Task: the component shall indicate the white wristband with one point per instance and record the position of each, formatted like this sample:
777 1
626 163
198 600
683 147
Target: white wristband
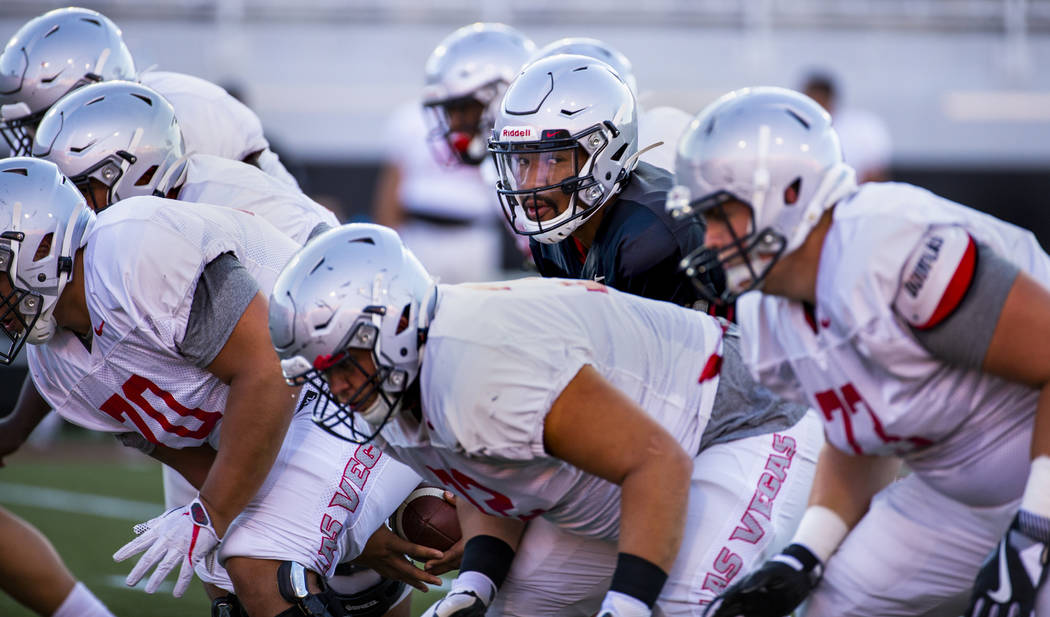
1037 491
821 531
623 605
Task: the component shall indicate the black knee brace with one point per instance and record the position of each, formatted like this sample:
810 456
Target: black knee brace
291 582
374 601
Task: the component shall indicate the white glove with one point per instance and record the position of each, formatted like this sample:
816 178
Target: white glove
618 604
470 596
179 536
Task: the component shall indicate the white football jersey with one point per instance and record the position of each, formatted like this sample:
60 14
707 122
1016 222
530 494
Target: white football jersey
224 182
499 355
211 120
141 266
892 248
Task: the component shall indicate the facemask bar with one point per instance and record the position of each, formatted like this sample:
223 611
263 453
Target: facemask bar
451 146
755 252
578 182
18 133
338 418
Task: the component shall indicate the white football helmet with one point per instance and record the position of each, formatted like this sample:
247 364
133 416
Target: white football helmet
564 143
465 77
44 220
120 133
593 48
352 287
49 56
773 149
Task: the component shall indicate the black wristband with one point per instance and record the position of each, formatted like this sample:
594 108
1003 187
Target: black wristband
488 555
808 560
638 578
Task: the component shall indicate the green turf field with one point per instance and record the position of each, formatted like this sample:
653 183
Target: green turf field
54 495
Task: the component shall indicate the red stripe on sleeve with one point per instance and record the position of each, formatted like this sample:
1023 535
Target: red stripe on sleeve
711 368
957 288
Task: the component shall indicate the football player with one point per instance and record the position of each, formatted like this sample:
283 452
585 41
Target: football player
918 327
662 124
436 187
119 139
566 150
495 390
145 320
64 49
34 575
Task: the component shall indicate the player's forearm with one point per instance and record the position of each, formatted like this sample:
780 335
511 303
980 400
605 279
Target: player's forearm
257 416
1036 498
845 483
654 498
1041 431
29 410
192 463
473 522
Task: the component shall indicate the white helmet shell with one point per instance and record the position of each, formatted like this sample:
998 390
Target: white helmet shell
50 56
43 221
563 103
593 48
352 287
773 149
474 63
120 133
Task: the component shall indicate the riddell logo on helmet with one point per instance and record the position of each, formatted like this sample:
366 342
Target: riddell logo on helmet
518 133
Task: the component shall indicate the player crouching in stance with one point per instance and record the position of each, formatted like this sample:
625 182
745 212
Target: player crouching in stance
146 319
555 400
919 327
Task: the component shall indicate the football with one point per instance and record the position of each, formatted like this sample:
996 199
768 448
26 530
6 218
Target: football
426 518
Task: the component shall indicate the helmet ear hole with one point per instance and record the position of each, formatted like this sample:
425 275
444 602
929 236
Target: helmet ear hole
146 177
792 192
44 248
402 322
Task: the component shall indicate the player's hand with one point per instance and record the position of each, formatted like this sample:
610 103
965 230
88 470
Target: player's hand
179 536
451 558
470 596
385 553
774 590
1009 580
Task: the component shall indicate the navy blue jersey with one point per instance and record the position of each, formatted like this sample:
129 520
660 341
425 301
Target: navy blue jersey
638 246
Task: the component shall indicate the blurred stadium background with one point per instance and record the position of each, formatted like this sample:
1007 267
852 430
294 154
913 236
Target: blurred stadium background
962 85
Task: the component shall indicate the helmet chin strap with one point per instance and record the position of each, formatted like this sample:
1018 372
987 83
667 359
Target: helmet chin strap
379 410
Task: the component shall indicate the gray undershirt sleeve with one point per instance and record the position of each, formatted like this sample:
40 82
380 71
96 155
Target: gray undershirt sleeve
318 230
963 337
744 408
223 292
